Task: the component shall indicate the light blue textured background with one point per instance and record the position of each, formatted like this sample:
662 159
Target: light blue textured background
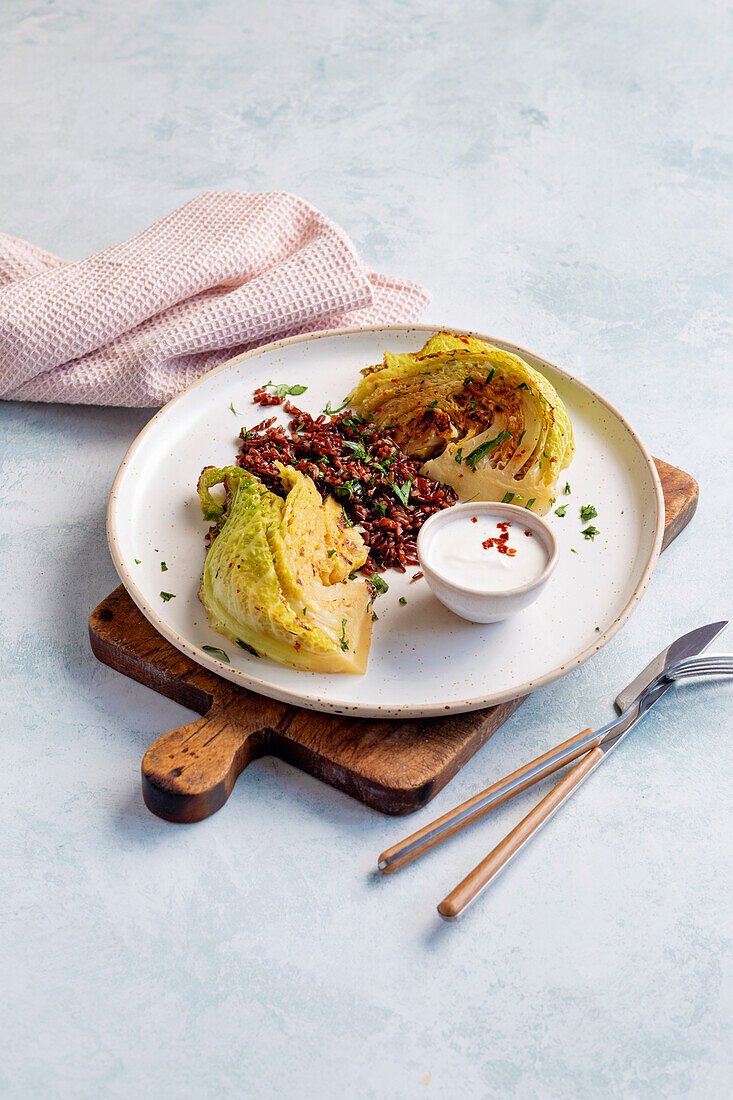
557 174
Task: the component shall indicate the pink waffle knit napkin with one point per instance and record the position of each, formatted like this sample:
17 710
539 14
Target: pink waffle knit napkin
139 322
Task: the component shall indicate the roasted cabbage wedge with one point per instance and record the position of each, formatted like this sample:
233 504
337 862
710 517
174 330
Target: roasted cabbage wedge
482 419
275 578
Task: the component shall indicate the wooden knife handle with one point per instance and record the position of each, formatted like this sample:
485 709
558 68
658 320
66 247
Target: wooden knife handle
427 838
189 773
477 880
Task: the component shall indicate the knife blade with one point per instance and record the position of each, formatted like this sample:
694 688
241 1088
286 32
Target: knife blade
689 645
649 686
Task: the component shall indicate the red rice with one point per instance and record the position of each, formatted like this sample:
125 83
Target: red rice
358 464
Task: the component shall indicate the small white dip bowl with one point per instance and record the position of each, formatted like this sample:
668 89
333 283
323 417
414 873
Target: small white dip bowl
484 605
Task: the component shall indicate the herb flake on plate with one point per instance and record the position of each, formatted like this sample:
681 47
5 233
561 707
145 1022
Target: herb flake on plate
283 390
214 651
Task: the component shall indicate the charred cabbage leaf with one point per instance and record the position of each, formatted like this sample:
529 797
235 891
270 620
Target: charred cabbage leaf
275 578
483 420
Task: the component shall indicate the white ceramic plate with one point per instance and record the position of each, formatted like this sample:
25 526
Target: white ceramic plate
424 660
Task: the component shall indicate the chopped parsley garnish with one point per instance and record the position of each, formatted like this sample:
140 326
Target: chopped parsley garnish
573 551
214 651
231 406
590 532
244 645
163 567
349 489
332 412
490 375
598 630
507 498
137 561
358 450
343 641
165 596
485 448
567 487
379 585
587 512
402 492
283 390
530 502
330 553
385 464
561 510
403 600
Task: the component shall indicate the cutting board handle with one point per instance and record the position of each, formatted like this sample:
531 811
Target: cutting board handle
189 773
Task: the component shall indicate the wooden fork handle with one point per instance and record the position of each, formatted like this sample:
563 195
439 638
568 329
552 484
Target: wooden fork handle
477 880
422 841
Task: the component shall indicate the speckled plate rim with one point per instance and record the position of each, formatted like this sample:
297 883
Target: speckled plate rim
309 700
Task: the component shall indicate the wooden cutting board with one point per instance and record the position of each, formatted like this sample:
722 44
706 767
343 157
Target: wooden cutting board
395 766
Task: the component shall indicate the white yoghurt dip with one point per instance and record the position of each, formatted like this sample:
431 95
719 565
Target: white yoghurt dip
487 553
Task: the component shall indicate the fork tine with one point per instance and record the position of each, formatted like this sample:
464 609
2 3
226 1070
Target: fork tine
704 670
716 665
